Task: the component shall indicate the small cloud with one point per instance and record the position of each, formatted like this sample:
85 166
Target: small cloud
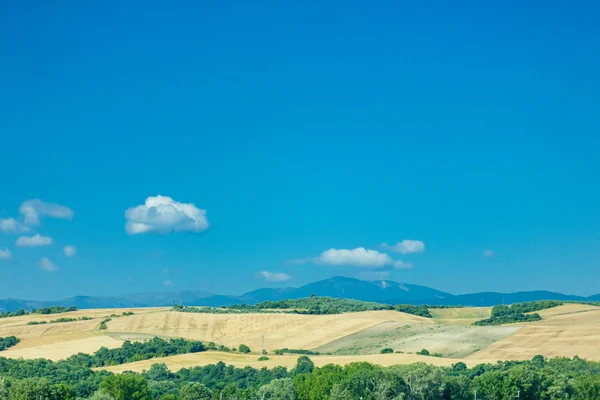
47 265
406 246
34 209
402 265
300 261
275 276
162 214
33 241
11 225
168 283
70 251
489 253
358 257
5 255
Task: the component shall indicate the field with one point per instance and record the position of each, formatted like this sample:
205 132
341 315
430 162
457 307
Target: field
448 340
568 330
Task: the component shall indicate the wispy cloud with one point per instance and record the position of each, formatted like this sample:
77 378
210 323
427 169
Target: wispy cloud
5 255
47 265
70 251
11 225
162 214
33 241
34 209
275 276
168 283
489 253
406 246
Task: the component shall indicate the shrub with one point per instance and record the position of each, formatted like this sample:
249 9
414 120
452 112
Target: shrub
424 352
9 341
243 348
262 358
387 350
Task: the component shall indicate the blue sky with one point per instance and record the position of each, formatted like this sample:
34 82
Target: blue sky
295 129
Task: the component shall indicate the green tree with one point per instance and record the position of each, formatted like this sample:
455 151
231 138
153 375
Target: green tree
98 395
304 365
32 389
243 348
195 391
126 386
4 390
278 389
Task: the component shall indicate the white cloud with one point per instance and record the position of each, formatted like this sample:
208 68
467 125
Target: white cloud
162 214
34 209
47 265
406 246
33 241
275 276
70 251
489 253
11 225
402 265
5 255
168 283
359 257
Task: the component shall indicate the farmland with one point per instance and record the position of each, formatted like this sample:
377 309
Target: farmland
566 330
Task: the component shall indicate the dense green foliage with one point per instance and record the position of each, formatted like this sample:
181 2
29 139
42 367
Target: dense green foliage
242 348
559 378
137 351
420 310
9 341
64 319
532 306
37 322
296 351
44 310
508 315
387 350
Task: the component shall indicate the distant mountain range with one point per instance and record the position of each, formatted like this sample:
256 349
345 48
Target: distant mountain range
388 292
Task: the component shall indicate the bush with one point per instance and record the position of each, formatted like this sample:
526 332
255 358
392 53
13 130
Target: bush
102 326
423 352
421 310
262 358
296 351
508 315
243 348
387 350
9 341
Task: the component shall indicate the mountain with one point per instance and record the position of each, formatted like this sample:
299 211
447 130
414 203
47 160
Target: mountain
381 291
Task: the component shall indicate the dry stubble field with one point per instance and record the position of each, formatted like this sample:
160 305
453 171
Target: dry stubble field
567 330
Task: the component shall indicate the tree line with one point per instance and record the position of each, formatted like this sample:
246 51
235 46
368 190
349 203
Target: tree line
44 310
518 312
539 378
314 305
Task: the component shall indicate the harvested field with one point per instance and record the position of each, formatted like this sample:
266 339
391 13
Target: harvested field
279 330
460 316
31 331
61 350
93 313
450 341
566 331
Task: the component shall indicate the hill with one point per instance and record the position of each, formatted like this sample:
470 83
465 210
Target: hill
387 292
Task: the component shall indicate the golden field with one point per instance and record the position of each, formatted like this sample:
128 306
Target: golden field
567 330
